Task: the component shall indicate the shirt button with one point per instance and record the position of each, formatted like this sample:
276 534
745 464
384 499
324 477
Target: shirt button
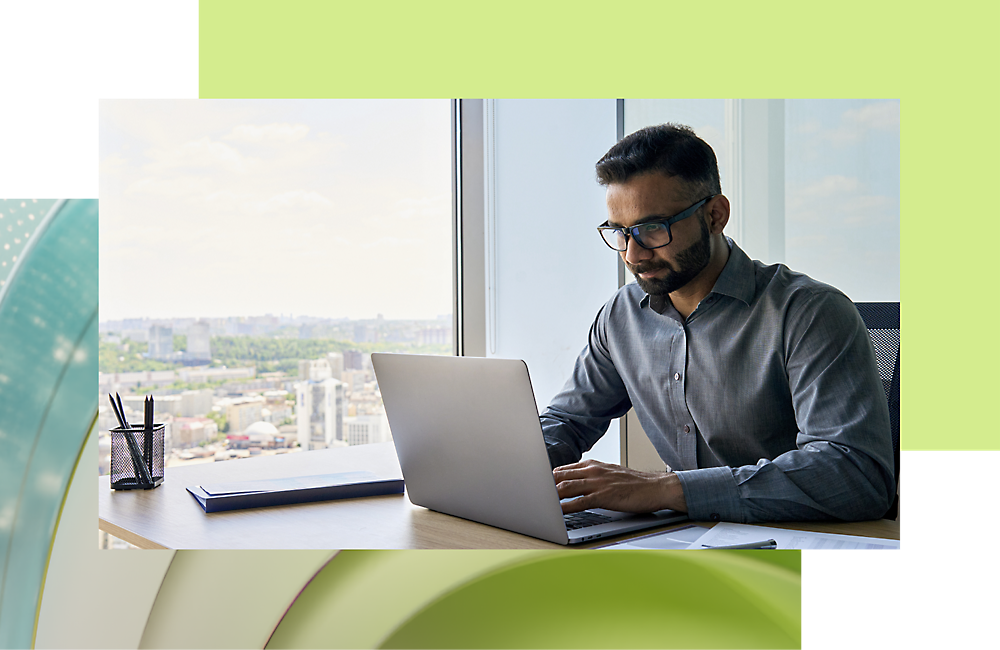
677 376
687 429
714 516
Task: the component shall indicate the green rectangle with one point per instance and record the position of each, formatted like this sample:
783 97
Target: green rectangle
941 65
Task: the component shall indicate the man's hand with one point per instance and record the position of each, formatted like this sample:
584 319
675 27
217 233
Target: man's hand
601 485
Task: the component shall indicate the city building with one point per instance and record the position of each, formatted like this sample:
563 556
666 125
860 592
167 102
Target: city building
199 349
190 432
353 360
366 429
434 336
314 369
336 362
241 412
194 403
161 342
320 413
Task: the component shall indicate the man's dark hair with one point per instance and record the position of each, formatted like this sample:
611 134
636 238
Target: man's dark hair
672 149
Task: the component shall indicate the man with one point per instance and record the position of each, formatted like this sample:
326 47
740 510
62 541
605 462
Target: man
757 385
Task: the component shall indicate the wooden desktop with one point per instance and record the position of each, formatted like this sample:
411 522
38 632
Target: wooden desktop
169 517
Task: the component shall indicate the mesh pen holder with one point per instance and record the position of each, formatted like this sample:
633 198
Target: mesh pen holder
124 473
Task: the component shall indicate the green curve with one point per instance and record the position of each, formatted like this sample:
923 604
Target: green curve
720 599
623 599
48 373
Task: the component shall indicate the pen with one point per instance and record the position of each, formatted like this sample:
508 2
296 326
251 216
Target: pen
142 476
114 407
769 544
121 409
147 434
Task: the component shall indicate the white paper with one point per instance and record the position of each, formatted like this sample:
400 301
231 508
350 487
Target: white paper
679 538
728 534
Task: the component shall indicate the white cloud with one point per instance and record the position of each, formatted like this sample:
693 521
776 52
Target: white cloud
827 187
424 207
268 133
878 115
843 199
203 153
295 199
173 187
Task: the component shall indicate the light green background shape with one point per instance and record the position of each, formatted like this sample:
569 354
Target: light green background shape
938 64
541 599
48 401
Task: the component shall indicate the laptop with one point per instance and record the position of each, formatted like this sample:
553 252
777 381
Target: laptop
470 444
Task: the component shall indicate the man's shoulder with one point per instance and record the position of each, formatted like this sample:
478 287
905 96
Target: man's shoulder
797 293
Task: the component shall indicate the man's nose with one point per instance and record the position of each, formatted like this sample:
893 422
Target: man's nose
634 253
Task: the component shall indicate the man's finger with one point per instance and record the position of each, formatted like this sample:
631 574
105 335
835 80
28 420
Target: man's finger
580 470
572 488
576 505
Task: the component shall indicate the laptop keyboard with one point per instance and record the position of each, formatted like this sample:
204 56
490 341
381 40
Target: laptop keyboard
584 519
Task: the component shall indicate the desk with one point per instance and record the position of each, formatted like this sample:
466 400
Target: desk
169 517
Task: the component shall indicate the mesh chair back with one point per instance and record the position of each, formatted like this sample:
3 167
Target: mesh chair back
882 321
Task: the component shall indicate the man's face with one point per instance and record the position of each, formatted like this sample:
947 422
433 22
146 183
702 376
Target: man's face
654 196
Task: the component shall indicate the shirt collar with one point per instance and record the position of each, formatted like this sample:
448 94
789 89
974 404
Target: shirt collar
738 277
736 280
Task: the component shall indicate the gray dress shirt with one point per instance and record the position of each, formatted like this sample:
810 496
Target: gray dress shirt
766 401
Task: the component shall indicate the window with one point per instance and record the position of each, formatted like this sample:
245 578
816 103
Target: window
253 254
814 183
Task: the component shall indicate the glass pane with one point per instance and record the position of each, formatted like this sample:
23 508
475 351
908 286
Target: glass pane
255 252
842 194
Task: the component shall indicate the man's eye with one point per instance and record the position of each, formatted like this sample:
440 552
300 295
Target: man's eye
652 227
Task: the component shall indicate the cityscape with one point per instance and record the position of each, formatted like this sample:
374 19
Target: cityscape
239 387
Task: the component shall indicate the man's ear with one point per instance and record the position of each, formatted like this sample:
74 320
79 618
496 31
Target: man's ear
718 214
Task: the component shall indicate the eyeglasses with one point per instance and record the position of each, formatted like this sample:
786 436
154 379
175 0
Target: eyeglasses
651 234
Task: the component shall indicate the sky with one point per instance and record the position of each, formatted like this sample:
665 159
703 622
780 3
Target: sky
329 208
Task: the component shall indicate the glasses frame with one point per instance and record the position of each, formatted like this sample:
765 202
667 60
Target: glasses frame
632 231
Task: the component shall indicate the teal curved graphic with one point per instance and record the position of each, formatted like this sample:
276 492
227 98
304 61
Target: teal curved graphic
48 398
541 599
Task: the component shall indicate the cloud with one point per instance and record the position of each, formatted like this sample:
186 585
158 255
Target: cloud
201 154
856 124
295 199
424 207
841 199
268 133
879 115
827 187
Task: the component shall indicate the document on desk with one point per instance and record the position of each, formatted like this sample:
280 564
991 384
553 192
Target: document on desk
293 489
729 534
672 539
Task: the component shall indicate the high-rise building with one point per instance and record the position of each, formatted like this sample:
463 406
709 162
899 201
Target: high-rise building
320 413
198 342
366 429
353 360
161 342
336 361
315 370
242 412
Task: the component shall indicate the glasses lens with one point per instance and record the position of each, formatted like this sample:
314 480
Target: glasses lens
652 235
614 238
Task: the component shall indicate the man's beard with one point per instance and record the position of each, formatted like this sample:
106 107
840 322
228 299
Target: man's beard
690 262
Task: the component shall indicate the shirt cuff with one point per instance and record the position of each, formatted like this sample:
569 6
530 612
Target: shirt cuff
711 494
559 452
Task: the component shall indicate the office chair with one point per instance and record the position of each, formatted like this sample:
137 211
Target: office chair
882 321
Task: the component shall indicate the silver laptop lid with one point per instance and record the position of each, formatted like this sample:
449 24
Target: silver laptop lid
469 442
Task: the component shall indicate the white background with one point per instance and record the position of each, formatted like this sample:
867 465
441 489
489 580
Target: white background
58 59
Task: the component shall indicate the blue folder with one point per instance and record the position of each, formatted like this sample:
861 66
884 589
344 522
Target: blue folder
295 489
